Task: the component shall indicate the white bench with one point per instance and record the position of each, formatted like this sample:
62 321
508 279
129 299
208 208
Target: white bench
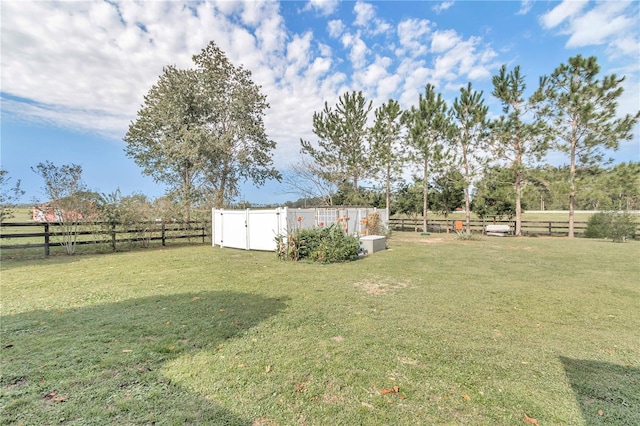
497 230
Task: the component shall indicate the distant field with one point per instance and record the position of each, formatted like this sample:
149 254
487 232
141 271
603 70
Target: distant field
433 331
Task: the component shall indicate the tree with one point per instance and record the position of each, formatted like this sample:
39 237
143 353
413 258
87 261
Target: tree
470 139
429 128
341 150
8 196
517 142
623 186
409 201
493 195
69 200
582 112
388 155
307 179
447 193
129 214
200 131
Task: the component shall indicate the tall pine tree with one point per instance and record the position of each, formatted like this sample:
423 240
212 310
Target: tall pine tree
470 140
429 129
518 142
342 140
582 113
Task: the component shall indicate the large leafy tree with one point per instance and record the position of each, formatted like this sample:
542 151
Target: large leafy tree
582 113
341 150
200 131
518 142
470 140
429 129
387 152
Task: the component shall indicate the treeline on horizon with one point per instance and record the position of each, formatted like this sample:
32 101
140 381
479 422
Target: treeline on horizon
612 188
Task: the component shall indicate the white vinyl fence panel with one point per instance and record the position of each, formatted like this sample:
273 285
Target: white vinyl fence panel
257 229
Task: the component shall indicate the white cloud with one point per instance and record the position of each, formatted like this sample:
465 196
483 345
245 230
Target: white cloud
444 40
366 19
600 24
335 28
359 50
372 74
413 37
364 13
565 10
464 59
440 7
525 7
610 23
324 7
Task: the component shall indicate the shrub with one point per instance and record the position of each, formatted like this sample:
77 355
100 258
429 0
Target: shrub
326 245
614 225
597 225
622 227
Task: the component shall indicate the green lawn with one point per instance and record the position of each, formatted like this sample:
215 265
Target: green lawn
432 331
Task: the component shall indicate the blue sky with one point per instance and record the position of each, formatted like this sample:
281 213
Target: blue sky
74 73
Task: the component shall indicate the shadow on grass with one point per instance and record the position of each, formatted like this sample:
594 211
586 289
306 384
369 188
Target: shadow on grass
103 364
608 394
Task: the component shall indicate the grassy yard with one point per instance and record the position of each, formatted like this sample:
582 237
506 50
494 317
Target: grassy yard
432 331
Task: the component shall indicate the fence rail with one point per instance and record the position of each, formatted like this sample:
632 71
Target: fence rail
529 227
49 234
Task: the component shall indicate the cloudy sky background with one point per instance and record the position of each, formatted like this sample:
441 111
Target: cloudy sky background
74 73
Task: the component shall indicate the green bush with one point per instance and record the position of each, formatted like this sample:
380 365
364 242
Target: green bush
617 226
622 227
597 225
326 245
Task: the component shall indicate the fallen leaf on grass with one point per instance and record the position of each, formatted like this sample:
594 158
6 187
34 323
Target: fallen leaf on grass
466 397
53 397
531 420
267 369
196 298
395 389
600 412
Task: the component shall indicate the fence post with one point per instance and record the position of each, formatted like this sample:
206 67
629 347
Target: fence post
46 238
550 229
203 225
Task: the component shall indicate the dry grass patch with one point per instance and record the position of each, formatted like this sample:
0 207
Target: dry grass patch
380 286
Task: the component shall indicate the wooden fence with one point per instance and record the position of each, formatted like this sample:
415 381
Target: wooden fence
529 227
50 234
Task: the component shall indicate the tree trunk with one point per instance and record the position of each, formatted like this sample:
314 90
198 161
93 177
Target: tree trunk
388 193
572 184
518 231
425 195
